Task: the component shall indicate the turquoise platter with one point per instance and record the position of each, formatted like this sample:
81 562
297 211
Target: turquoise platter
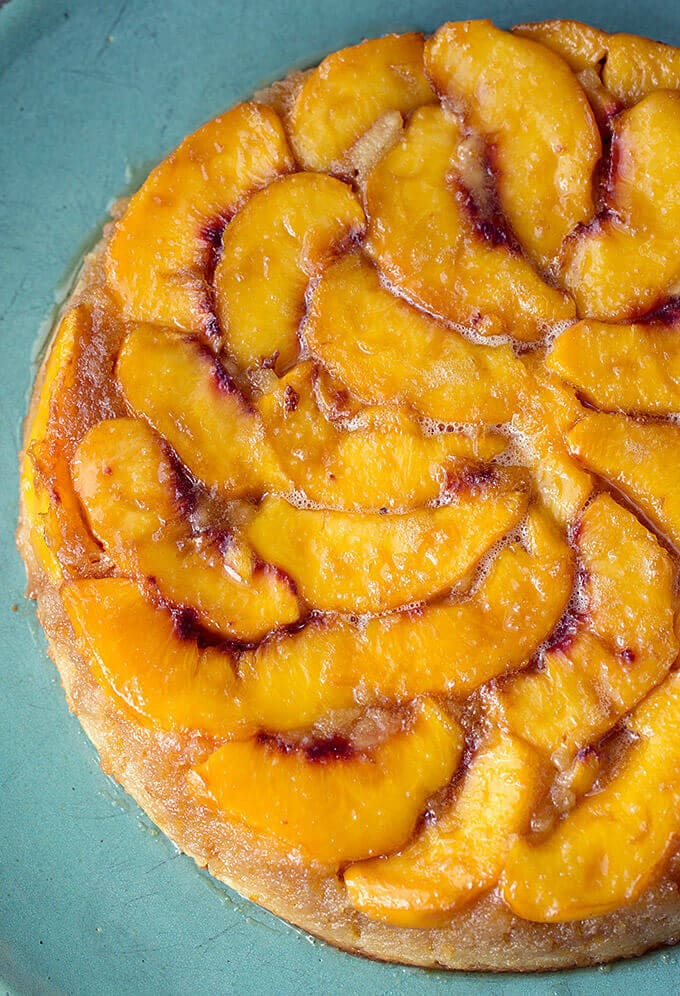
93 900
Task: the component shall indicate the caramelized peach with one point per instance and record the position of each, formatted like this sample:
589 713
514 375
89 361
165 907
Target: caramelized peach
336 809
638 457
584 49
350 90
451 647
423 237
386 351
271 249
636 66
580 45
547 411
58 532
634 368
187 395
159 258
623 645
613 843
627 260
129 488
383 461
138 653
460 855
526 102
354 562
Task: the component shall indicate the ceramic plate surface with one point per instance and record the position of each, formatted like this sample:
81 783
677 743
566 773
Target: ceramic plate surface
92 94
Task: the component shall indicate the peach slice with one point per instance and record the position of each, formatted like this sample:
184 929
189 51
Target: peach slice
137 651
584 49
580 45
383 461
614 841
604 104
183 390
452 861
625 262
634 368
422 235
624 643
636 66
336 809
525 101
133 497
274 245
386 351
547 411
447 648
58 532
640 458
160 256
350 90
355 562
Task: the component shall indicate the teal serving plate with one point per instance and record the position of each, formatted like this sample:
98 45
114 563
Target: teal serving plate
93 899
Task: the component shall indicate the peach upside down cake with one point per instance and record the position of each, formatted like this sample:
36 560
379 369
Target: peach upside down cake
351 496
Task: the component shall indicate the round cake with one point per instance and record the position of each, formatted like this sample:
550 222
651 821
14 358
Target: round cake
350 497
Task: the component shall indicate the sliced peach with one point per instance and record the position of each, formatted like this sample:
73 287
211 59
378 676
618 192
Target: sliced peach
137 652
58 532
350 90
547 411
636 66
386 351
447 648
383 461
271 249
159 258
525 101
614 841
584 49
634 368
336 809
580 45
423 237
623 646
604 104
186 394
638 457
452 861
132 496
35 496
626 261
354 562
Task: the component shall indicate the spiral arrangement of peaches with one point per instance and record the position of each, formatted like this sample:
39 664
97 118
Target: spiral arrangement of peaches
389 431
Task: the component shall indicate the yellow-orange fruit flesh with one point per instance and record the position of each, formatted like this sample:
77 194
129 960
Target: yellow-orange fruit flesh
614 842
622 645
337 809
525 101
158 259
422 235
633 368
276 243
640 458
139 655
345 561
462 854
350 90
387 352
128 486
